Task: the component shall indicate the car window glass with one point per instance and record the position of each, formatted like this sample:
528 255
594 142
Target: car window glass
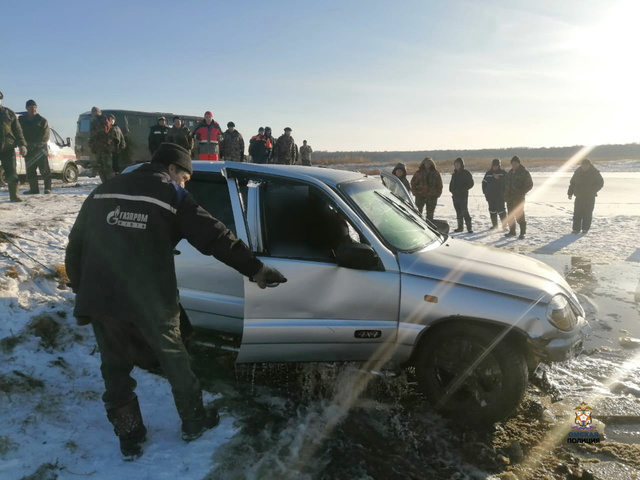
55 138
300 222
212 193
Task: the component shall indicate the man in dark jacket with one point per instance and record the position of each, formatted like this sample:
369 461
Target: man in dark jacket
232 145
258 148
493 189
36 133
517 183
180 135
459 186
157 134
400 171
10 137
120 264
585 185
426 185
118 146
101 144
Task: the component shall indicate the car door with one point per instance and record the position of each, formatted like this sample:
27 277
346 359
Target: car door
396 187
324 312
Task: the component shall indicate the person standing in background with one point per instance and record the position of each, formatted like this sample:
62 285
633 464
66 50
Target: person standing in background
101 144
585 184
305 153
284 152
459 186
157 134
232 145
180 134
118 144
11 136
493 189
400 171
258 148
426 185
517 183
270 143
208 135
36 133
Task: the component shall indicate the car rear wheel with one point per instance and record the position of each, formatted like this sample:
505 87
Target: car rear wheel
468 378
70 173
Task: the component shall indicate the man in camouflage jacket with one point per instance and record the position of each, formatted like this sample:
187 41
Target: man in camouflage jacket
284 151
180 134
10 137
232 145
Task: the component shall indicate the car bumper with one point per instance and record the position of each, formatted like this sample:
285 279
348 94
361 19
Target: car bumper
560 349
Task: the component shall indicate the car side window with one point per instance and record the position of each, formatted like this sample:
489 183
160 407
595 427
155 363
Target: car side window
212 193
299 221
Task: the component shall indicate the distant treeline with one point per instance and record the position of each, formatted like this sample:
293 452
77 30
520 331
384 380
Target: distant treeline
627 151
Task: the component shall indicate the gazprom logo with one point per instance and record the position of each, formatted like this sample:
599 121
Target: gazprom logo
127 219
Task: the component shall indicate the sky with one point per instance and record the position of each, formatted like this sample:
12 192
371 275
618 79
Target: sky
362 75
52 413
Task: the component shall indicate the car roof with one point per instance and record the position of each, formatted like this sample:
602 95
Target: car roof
329 176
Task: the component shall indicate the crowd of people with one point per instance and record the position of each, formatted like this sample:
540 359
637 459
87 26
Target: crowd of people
208 142
504 191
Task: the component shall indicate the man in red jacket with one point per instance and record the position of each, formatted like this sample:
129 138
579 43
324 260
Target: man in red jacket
208 134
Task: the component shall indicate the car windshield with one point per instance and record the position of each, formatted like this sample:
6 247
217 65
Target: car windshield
398 224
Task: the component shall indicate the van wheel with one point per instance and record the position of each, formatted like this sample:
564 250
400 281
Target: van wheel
70 173
467 378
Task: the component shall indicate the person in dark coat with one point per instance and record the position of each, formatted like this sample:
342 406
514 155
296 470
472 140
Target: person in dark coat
181 135
459 186
118 145
400 171
585 184
120 264
493 189
10 137
426 186
157 134
517 183
36 132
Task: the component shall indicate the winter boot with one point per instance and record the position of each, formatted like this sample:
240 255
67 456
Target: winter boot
47 185
196 419
128 426
33 186
494 221
503 219
459 229
13 193
468 222
523 230
512 231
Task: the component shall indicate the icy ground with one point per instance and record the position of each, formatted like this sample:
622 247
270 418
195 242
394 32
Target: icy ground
52 420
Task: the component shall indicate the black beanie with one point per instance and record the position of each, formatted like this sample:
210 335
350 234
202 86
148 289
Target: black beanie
169 153
515 159
496 161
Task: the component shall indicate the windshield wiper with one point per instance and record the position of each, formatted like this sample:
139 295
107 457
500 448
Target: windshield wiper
399 207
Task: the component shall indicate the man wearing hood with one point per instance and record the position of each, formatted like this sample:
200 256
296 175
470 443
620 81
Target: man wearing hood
493 189
400 171
459 186
585 184
426 185
517 183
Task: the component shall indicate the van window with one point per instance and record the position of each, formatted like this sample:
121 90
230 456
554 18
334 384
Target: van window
84 125
212 193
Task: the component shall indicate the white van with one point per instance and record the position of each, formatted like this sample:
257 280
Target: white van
62 160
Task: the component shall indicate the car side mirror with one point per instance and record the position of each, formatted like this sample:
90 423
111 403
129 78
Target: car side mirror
357 256
68 144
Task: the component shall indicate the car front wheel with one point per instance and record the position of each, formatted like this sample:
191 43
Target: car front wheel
465 375
70 173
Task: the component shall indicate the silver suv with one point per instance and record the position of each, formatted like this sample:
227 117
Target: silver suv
370 281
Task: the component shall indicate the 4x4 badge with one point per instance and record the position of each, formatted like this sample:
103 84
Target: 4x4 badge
368 333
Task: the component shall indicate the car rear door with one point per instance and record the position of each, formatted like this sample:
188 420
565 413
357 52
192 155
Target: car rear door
324 312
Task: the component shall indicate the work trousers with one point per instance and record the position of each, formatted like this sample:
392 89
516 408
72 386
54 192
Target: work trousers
38 159
123 340
8 161
583 213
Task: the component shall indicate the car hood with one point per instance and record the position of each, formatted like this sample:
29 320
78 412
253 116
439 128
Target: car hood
486 268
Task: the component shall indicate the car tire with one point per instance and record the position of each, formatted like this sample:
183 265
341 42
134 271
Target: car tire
70 173
492 389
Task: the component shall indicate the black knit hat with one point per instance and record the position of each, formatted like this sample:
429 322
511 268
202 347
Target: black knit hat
169 153
515 159
231 124
30 102
496 161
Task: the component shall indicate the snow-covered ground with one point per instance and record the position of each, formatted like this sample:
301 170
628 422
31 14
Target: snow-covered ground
52 420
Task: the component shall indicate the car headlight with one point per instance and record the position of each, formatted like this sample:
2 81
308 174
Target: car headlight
560 313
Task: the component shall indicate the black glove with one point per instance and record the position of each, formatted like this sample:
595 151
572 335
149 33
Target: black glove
267 276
